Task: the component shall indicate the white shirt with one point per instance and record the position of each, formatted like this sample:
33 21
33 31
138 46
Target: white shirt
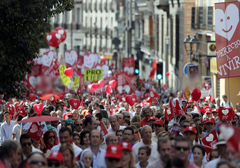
154 153
138 165
76 149
213 163
110 130
226 104
6 131
99 160
154 137
16 131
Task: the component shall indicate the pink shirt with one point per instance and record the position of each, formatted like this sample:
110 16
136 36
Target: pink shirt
192 165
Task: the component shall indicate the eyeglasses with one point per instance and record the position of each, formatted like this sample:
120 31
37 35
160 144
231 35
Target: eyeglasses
181 147
27 144
51 137
55 164
158 125
37 162
79 124
185 126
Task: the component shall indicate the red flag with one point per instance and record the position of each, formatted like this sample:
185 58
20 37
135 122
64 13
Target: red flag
81 105
177 110
35 131
231 134
154 67
168 114
104 130
209 141
164 87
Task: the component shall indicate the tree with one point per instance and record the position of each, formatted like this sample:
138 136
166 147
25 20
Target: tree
23 24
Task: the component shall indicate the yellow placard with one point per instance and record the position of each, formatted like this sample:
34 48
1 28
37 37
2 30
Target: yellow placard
187 93
76 80
108 56
65 79
93 74
213 66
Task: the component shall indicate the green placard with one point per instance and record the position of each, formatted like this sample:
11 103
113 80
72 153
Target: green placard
93 74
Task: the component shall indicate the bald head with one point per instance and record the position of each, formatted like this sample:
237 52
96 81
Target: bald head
111 139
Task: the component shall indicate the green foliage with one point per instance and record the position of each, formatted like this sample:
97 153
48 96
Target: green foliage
23 27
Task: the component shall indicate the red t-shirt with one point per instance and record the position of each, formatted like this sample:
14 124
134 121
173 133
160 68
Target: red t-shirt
143 122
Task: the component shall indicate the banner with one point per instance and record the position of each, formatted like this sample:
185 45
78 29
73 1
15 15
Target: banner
129 65
71 59
66 80
90 60
104 68
49 64
122 84
209 141
225 113
93 75
227 39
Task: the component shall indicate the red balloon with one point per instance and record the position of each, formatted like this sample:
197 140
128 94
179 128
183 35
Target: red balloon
101 83
113 83
68 72
40 94
32 96
95 86
53 39
75 103
108 89
62 32
38 107
196 94
90 88
131 99
168 74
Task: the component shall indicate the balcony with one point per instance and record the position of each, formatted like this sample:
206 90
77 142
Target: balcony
105 6
203 27
145 6
147 44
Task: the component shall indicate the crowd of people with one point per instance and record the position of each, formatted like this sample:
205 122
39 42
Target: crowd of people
106 132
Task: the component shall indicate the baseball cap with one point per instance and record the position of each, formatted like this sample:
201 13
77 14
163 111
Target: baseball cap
208 110
114 151
215 110
87 114
159 121
190 100
191 129
152 118
221 140
56 156
126 146
210 120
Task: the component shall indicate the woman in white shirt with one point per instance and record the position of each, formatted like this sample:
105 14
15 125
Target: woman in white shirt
144 153
198 155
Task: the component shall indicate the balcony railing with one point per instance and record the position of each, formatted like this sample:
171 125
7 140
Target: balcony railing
105 6
203 27
90 7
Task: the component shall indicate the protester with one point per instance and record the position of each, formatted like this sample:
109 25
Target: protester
78 126
56 159
159 127
7 127
86 159
143 156
84 139
68 153
198 155
119 134
127 160
114 124
49 139
36 160
113 156
76 139
16 130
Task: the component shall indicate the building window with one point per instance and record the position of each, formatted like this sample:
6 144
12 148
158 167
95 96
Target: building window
209 18
200 17
177 41
78 18
171 38
193 18
162 33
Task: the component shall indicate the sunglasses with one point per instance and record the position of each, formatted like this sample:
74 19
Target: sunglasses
37 162
158 125
55 164
79 124
181 147
27 144
185 126
70 116
127 116
51 137
209 123
113 159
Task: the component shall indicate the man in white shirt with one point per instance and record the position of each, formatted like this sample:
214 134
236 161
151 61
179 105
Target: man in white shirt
97 153
146 140
226 103
6 128
114 124
65 136
27 147
179 98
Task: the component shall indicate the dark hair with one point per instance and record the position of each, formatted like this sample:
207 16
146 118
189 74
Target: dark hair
88 119
46 135
82 135
76 134
119 131
64 129
129 128
70 125
147 148
33 153
223 162
19 118
31 110
162 140
183 121
175 162
201 147
24 136
182 139
96 104
8 148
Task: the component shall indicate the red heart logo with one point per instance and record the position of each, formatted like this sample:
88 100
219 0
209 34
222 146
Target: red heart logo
68 72
101 83
95 86
38 107
113 83
11 109
75 103
108 89
90 88
131 99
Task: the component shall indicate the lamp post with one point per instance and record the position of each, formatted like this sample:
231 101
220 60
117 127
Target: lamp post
191 46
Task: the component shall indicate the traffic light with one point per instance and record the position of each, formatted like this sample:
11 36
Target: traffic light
136 70
159 70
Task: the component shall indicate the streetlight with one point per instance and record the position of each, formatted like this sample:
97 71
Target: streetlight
191 46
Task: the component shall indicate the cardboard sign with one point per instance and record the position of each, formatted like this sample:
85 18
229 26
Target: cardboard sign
71 59
76 81
129 65
93 74
35 131
225 113
209 141
122 83
227 39
65 79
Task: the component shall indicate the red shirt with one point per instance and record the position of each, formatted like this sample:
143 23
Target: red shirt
143 122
